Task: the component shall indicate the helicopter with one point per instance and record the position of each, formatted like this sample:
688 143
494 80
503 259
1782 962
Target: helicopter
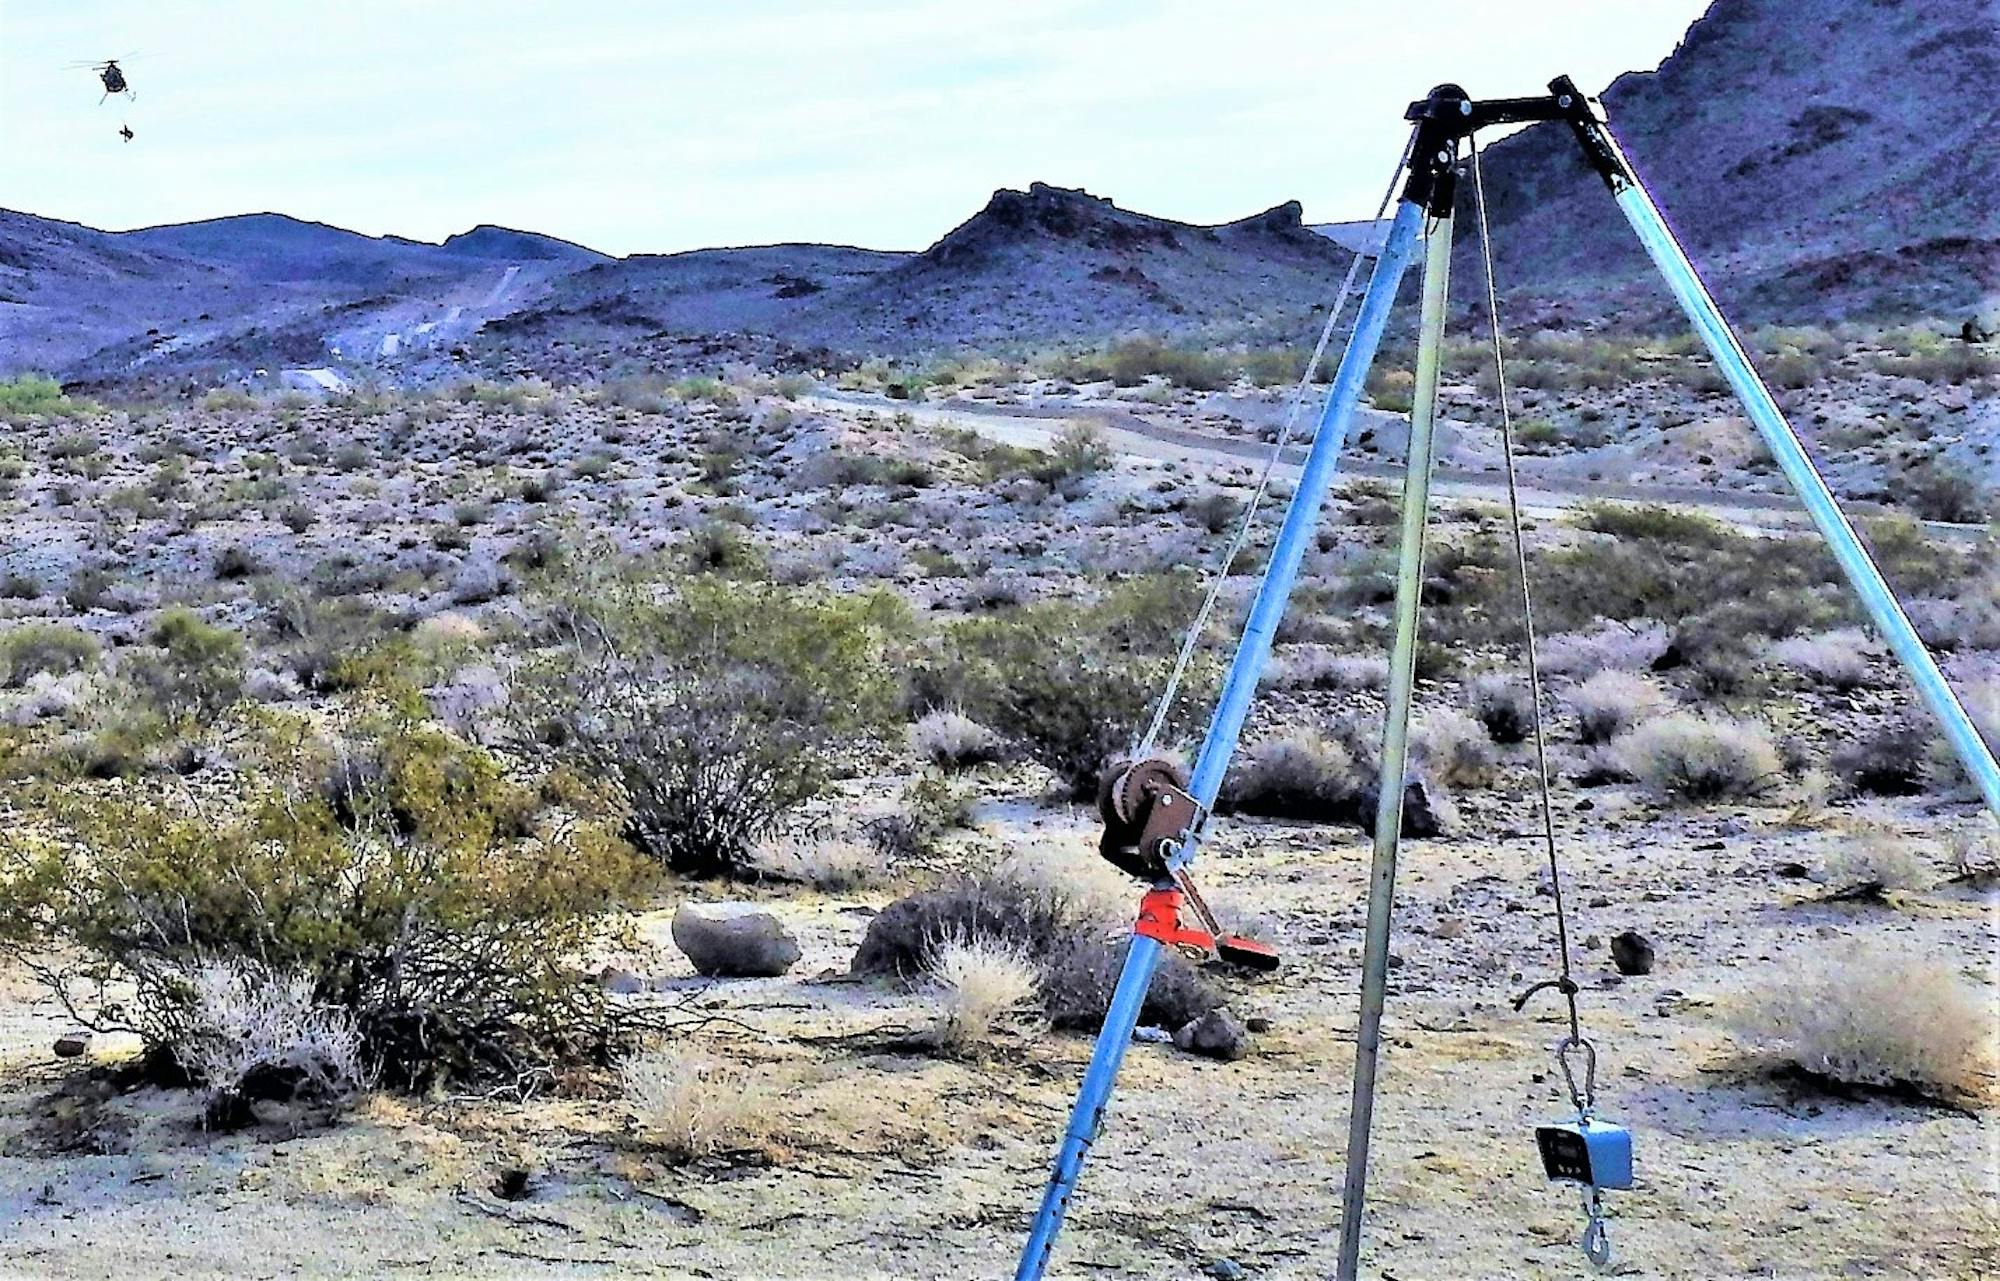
111 75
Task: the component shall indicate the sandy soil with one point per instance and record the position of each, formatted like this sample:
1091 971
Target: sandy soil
900 1165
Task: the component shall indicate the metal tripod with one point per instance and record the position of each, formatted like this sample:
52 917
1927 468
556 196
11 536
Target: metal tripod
1442 123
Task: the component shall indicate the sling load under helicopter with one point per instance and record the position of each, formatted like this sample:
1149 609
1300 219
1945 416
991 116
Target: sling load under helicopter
112 77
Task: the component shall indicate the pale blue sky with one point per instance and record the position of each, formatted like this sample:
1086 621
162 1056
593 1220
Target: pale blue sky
676 124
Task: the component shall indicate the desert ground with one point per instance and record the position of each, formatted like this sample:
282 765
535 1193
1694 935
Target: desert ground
212 603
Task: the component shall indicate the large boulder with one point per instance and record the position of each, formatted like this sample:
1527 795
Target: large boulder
734 940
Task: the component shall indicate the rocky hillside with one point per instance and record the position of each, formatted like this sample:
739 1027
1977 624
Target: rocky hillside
1821 159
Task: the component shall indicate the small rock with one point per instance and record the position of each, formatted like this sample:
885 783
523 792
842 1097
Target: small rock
620 982
1223 1270
734 940
1632 953
73 1046
1449 927
1216 1034
1599 900
1592 942
514 1184
1257 1023
1792 871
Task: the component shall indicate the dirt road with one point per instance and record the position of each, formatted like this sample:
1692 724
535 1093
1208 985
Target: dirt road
1131 434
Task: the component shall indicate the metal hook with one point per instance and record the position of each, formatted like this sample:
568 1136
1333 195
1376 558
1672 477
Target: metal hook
1596 1240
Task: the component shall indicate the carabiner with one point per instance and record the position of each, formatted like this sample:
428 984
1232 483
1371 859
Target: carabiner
1586 1098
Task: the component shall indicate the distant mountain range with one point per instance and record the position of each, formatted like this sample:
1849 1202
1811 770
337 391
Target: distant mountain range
1823 159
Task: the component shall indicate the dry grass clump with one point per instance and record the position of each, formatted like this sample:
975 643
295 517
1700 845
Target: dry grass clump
1700 758
1871 862
245 1022
951 740
1319 667
691 1106
1611 646
1610 702
1880 1021
832 863
1838 659
974 985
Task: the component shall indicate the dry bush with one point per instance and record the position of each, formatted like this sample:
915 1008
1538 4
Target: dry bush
692 1106
1838 660
1881 1021
1074 925
1870 862
1700 758
1887 760
714 707
834 863
975 984
1611 646
949 739
405 879
1456 748
1505 706
1300 775
1319 667
1069 679
1609 702
249 1029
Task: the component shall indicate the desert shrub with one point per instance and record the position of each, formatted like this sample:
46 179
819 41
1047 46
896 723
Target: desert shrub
1301 775
1837 659
1939 490
1611 646
931 808
325 642
1131 362
833 863
1069 924
235 563
27 397
19 586
1870 862
1069 680
1392 390
1700 758
715 706
719 547
1215 510
692 1106
1078 451
951 740
190 668
1887 760
394 876
974 984
37 649
1504 706
1879 1021
248 1031
1611 702
1456 749
1319 667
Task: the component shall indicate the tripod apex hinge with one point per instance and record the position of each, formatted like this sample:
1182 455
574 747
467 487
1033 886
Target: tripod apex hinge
1448 116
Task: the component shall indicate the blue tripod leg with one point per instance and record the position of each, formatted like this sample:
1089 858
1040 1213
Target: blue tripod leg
1245 669
1785 446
